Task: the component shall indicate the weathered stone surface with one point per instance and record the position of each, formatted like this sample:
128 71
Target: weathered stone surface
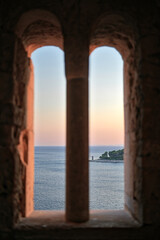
78 27
11 114
7 41
9 135
10 187
7 87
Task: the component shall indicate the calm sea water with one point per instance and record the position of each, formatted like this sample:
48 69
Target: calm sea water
106 179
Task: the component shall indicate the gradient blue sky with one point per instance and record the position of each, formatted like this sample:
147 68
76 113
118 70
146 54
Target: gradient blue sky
106 124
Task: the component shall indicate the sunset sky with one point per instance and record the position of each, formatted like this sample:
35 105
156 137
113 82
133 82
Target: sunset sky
105 97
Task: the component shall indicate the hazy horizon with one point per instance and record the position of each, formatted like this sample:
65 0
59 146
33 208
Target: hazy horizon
112 145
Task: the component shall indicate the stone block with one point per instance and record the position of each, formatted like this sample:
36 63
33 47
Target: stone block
9 135
7 44
6 87
11 115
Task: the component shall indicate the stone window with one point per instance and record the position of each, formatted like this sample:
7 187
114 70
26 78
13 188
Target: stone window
34 33
133 29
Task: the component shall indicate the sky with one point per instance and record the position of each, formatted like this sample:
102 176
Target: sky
106 123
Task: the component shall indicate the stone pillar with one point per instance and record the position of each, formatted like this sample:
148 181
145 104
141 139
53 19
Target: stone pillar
76 59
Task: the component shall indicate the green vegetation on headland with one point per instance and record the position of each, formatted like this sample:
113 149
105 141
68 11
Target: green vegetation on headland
113 155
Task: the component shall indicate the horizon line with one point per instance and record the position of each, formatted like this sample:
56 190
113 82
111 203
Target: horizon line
89 145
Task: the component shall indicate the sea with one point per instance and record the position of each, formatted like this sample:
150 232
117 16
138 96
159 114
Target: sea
106 181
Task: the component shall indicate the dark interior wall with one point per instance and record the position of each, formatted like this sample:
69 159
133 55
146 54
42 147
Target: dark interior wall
78 27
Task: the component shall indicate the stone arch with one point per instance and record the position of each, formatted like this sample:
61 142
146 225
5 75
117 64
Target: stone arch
39 28
119 31
114 30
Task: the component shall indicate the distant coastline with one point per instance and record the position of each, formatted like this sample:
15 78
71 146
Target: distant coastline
106 161
113 155
95 151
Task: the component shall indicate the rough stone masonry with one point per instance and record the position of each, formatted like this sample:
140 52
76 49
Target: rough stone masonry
78 27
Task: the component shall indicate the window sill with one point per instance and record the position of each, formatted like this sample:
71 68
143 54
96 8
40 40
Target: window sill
46 224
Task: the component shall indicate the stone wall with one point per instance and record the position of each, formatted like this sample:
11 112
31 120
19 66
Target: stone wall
78 27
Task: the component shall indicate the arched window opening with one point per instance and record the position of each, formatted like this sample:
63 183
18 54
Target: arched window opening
106 128
49 128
